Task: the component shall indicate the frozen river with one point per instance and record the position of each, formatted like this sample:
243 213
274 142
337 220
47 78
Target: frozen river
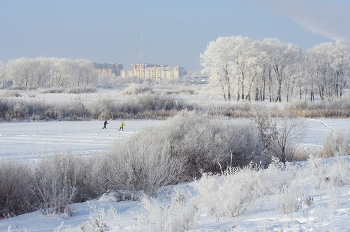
33 140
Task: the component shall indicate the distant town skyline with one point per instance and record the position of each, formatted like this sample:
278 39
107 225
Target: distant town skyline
174 33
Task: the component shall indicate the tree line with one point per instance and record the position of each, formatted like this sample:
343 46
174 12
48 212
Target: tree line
47 72
271 69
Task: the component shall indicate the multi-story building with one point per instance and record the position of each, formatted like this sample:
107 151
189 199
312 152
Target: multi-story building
105 68
155 72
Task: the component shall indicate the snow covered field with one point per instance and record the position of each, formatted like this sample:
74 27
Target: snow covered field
33 140
329 211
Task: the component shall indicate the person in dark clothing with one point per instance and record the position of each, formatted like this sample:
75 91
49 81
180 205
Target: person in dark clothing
105 124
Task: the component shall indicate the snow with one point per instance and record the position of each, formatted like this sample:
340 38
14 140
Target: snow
33 140
330 210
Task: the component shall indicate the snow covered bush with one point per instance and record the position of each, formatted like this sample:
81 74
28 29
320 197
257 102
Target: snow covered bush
280 136
23 109
281 187
135 89
290 198
328 172
177 150
158 106
137 166
234 191
100 220
154 102
331 108
58 181
9 93
14 196
336 143
178 216
230 194
101 108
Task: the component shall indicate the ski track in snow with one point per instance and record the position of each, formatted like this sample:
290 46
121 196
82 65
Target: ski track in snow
323 123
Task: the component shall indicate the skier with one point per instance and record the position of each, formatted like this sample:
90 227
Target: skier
121 126
104 125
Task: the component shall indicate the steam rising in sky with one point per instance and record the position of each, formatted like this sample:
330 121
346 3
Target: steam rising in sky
329 18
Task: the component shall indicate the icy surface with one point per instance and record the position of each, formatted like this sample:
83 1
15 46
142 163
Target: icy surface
33 140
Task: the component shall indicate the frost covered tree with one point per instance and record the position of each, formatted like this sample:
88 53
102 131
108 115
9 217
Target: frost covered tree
20 71
51 72
283 55
217 60
273 69
2 74
41 71
245 57
330 67
228 59
85 74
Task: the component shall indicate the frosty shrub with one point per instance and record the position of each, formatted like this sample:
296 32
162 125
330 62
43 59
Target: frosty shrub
184 91
277 175
53 90
20 108
101 108
129 107
62 110
49 185
336 143
100 220
158 106
181 149
9 93
135 89
14 197
238 109
76 90
230 194
237 189
79 90
280 135
58 181
289 199
178 216
330 108
159 102
137 166
333 172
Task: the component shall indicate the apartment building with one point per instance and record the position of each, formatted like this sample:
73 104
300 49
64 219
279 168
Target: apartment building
154 71
105 68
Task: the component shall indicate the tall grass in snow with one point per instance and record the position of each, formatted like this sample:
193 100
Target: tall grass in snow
232 193
158 106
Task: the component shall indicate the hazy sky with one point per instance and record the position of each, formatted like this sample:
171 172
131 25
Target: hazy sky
175 32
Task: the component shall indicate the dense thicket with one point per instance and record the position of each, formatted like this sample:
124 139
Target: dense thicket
177 150
156 106
271 69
